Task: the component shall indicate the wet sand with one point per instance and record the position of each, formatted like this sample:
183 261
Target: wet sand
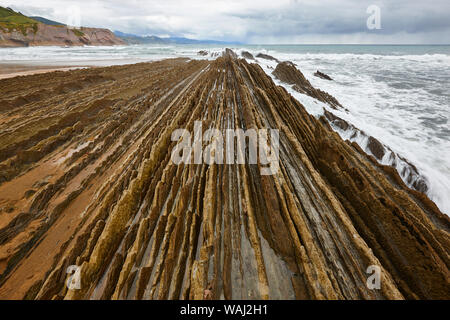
15 70
10 69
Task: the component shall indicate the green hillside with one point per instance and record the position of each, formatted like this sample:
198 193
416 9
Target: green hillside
48 21
11 20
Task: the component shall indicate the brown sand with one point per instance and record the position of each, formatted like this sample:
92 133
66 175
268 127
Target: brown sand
14 70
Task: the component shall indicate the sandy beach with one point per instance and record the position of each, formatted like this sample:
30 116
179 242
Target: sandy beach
9 69
15 70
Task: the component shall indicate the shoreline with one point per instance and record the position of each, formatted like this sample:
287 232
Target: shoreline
108 151
18 70
11 69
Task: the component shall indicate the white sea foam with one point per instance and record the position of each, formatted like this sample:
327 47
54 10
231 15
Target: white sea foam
391 98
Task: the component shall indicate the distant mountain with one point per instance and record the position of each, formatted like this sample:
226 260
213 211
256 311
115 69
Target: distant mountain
135 39
47 21
18 30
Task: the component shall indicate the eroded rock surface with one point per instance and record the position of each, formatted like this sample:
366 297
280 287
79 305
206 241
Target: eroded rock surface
247 55
408 172
86 180
267 57
287 72
46 35
322 75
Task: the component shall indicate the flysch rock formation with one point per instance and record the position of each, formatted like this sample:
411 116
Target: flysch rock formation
408 172
247 55
288 73
322 75
267 57
87 180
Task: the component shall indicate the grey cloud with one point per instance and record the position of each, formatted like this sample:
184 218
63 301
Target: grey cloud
251 21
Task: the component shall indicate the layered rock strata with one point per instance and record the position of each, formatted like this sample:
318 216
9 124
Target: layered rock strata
87 180
288 73
46 35
322 75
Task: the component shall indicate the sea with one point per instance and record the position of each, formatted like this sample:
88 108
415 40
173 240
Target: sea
399 94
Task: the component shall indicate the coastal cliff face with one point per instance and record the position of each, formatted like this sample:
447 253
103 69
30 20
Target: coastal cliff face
46 35
86 180
18 30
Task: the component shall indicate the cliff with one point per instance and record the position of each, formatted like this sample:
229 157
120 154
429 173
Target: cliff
87 180
17 30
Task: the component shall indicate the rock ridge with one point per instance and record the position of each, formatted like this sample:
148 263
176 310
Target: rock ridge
87 180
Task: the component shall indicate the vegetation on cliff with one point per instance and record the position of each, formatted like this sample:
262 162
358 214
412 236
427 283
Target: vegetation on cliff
11 20
17 30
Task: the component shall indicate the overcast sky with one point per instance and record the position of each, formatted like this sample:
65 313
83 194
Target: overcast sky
258 21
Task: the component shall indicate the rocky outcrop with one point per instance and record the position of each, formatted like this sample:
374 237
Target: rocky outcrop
322 75
229 53
90 183
372 146
287 72
267 57
247 55
47 35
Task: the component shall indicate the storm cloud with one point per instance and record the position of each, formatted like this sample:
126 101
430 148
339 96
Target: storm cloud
285 21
